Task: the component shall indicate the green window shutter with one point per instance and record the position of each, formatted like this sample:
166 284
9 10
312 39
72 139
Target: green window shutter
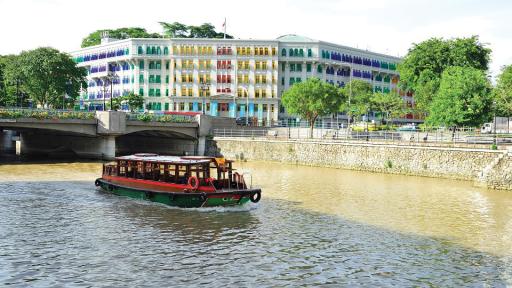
283 52
282 81
158 79
292 67
319 69
141 78
308 67
127 51
151 80
166 50
299 67
158 65
291 52
301 52
141 64
167 106
148 50
141 91
158 92
158 50
151 92
167 79
167 94
140 50
167 65
292 80
283 67
151 65
310 53
133 79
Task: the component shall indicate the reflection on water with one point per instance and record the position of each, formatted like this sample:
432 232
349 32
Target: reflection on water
314 226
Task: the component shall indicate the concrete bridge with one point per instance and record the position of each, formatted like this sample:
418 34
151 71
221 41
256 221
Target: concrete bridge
108 134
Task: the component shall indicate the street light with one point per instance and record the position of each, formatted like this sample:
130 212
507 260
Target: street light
68 85
246 105
204 86
111 76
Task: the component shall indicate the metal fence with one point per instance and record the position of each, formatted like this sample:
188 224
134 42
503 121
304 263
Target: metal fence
469 137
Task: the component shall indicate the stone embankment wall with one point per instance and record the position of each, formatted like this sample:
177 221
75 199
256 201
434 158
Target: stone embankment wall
456 163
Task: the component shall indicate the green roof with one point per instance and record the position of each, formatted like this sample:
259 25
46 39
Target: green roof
295 38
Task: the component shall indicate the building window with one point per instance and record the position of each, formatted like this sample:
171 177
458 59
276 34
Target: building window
308 67
141 78
319 69
283 52
291 53
292 67
141 64
157 92
141 91
310 53
299 67
140 50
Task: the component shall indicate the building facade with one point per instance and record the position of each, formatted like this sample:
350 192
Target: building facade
224 77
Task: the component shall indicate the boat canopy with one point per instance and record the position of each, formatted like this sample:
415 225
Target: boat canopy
154 158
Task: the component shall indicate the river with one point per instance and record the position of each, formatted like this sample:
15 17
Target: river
314 227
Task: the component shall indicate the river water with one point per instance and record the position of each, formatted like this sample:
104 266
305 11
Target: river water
314 227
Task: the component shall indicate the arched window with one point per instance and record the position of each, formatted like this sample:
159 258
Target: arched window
158 50
166 50
310 53
296 52
153 50
301 52
291 52
283 52
140 50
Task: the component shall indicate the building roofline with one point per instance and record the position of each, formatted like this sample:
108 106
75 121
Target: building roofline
318 42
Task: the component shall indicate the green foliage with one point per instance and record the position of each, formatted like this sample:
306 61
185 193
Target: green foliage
179 30
135 101
147 117
388 164
44 74
8 95
44 114
390 104
503 92
122 33
464 98
360 93
422 67
311 99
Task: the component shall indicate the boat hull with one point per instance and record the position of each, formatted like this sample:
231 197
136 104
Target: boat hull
181 199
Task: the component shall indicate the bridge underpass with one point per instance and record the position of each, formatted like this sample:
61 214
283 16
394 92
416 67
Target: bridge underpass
108 136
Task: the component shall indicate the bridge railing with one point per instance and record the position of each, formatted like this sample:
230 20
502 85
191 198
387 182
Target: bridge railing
16 113
150 117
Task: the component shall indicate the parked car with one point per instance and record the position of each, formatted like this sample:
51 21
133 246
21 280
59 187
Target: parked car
243 121
408 127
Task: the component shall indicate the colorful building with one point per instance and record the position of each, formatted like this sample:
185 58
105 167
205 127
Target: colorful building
224 77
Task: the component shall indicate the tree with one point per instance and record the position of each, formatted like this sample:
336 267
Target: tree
134 101
311 99
179 30
175 30
390 104
422 67
122 33
464 98
503 92
47 75
7 88
360 94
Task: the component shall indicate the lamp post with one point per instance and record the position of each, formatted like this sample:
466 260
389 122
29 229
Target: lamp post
68 85
494 122
246 105
111 76
204 86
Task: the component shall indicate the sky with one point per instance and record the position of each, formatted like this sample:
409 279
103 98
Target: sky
385 26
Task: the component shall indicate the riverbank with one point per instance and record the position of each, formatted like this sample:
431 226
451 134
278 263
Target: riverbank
489 168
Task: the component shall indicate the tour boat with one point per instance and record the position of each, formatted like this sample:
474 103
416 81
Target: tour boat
177 181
